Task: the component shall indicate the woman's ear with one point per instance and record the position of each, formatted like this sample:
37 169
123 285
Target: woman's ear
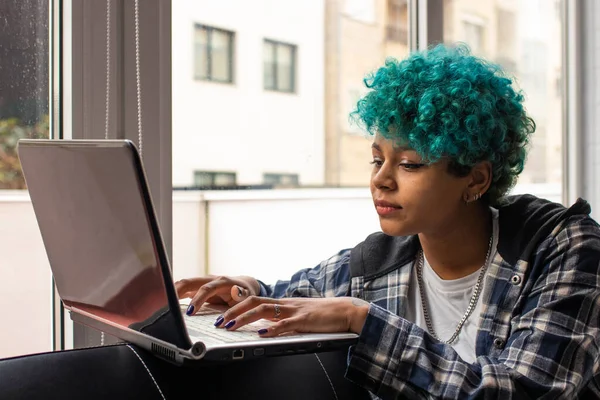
481 179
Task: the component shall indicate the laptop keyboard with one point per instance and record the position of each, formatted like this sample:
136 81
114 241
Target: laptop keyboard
203 324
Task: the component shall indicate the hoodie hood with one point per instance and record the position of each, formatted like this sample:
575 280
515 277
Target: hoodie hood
524 221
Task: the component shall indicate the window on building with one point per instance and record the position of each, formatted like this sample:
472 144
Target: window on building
397 21
213 54
214 178
280 179
473 35
279 66
360 10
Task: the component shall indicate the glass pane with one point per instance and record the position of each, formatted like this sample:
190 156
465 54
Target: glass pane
530 50
285 68
324 68
269 65
224 179
23 82
203 179
317 158
220 56
200 52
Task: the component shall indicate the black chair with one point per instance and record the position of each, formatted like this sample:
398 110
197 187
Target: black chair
127 372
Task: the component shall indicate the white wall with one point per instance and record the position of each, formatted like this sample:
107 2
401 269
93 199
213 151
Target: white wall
241 127
25 279
274 234
266 234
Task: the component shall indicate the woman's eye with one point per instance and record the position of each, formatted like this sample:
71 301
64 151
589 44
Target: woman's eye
376 162
411 166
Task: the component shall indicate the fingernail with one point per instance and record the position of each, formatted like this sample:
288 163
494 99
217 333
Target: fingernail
229 324
219 320
190 310
262 331
240 293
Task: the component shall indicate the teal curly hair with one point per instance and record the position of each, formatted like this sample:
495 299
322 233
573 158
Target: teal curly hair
445 102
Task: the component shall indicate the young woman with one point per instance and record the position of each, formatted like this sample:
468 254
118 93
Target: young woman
466 293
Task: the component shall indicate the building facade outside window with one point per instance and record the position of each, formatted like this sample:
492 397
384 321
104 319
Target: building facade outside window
530 51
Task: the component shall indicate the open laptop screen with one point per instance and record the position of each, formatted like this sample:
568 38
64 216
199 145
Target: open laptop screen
96 221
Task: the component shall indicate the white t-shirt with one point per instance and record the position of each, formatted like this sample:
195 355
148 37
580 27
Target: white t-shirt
447 302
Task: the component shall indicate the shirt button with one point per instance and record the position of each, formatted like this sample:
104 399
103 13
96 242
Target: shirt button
499 343
515 280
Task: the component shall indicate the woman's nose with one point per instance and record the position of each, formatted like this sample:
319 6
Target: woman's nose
383 179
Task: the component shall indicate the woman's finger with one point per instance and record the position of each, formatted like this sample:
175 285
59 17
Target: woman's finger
211 289
266 310
239 293
287 325
246 305
184 286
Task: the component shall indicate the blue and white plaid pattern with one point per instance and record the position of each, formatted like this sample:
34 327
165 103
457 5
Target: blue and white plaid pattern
539 331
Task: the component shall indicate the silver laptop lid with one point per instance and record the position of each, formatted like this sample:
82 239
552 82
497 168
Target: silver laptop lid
101 235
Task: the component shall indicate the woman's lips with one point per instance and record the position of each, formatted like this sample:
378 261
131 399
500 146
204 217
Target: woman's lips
386 208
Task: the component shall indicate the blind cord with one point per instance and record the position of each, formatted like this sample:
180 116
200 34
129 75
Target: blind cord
107 69
137 74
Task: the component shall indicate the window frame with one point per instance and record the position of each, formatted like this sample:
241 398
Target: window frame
294 52
208 56
85 28
79 75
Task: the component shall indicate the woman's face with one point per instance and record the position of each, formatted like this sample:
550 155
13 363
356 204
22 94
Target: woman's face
411 197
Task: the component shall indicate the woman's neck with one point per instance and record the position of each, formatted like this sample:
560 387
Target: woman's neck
461 248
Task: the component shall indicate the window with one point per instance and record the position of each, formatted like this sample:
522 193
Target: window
246 126
211 178
24 113
213 50
24 42
530 49
281 179
360 10
397 21
280 66
473 35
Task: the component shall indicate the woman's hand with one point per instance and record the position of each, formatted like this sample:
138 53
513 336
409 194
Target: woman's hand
216 290
332 314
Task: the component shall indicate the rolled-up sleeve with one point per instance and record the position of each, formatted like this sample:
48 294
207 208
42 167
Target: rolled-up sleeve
331 278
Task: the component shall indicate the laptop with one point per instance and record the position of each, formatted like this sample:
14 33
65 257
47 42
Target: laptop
108 259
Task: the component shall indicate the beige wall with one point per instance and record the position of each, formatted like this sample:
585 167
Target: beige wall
354 48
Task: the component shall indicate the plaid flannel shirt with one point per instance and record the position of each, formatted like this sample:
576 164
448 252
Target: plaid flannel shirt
538 334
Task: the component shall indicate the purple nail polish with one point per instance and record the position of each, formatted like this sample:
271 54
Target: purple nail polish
190 310
229 324
219 320
262 331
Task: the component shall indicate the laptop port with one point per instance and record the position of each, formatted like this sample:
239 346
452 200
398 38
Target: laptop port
237 354
259 351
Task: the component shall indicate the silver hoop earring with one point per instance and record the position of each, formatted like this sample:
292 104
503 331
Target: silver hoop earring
477 197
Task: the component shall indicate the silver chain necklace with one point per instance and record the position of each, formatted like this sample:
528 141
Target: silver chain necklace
472 302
